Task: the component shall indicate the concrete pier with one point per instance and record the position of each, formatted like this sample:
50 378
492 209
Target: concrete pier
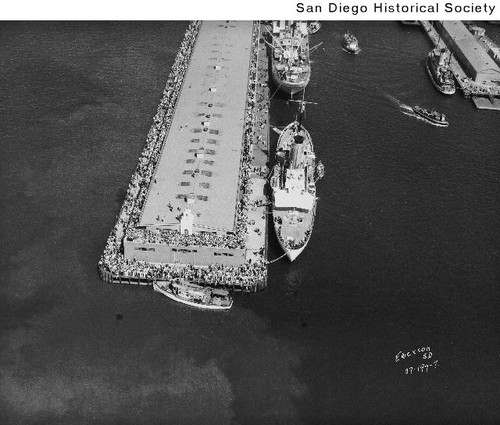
196 207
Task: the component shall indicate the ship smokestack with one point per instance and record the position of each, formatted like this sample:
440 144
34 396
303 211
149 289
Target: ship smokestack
442 57
297 152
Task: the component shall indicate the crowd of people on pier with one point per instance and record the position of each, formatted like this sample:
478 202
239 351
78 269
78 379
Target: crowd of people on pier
113 260
472 88
487 42
244 277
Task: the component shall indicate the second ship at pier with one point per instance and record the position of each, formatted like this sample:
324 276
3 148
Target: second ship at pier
290 64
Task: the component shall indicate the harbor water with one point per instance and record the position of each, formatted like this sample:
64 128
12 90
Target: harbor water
403 260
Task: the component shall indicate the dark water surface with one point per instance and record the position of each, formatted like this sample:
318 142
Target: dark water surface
404 254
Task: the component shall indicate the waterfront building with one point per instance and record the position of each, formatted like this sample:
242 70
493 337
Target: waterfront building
195 189
473 58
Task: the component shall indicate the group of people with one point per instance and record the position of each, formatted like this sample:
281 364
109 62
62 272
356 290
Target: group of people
472 88
247 277
113 260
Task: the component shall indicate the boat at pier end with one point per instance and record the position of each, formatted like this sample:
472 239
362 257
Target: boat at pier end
195 295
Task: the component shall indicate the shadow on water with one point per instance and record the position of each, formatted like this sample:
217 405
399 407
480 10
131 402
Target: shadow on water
121 193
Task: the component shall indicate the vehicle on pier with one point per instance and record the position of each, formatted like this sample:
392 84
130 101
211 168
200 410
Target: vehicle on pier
194 295
438 68
434 117
293 185
350 43
290 64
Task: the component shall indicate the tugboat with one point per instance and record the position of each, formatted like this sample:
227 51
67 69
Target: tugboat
195 295
291 68
313 27
434 117
293 184
438 69
350 43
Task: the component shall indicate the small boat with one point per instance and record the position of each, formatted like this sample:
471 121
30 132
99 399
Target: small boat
436 118
194 295
350 43
313 27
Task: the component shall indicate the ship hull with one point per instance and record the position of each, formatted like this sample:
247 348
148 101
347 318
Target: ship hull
445 89
351 51
288 86
291 254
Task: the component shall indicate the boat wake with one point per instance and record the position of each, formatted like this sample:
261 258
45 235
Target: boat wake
407 109
403 106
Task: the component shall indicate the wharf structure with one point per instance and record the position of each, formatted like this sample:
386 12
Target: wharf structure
195 207
474 64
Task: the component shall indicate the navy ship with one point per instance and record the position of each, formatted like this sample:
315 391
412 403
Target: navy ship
290 64
293 185
438 69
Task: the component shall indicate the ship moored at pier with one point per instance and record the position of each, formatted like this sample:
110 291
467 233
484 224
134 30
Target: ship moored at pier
290 63
294 188
437 66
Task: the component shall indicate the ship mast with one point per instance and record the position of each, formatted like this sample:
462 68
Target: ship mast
439 37
302 109
293 26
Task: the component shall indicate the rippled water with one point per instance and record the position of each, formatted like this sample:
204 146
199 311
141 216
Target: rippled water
404 253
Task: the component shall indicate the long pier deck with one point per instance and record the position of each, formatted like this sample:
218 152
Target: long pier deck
196 206
202 151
